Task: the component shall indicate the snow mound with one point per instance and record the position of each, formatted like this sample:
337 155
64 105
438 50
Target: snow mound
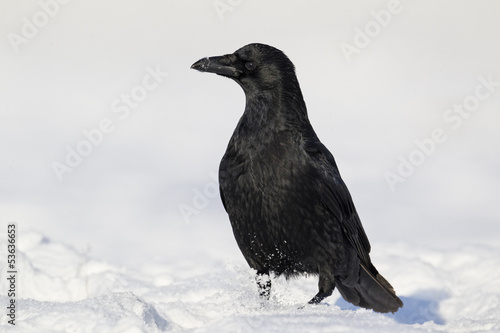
52 271
115 312
61 289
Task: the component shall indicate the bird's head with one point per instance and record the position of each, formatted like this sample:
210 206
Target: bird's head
255 67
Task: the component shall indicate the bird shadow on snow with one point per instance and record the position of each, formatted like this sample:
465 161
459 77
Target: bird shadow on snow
419 308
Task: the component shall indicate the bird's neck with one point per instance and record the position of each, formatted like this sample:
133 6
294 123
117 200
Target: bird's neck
280 108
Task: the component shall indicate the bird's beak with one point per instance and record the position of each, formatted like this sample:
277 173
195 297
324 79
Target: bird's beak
222 65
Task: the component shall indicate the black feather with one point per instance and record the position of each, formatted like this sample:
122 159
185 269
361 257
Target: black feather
290 211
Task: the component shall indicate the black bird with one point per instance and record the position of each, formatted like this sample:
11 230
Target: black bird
290 211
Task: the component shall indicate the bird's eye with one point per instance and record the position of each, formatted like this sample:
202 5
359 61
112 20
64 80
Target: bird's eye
250 65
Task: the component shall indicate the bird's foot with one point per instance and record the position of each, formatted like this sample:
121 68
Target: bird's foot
264 284
319 297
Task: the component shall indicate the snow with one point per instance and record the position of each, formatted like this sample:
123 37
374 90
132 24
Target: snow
64 290
134 237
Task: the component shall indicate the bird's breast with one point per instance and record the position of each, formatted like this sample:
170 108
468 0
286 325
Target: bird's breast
260 175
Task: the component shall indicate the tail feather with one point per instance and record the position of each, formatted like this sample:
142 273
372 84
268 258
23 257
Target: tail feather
372 291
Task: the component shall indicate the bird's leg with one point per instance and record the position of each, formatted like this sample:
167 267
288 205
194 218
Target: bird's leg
264 284
321 295
325 289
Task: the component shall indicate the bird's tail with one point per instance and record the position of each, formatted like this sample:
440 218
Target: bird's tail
372 291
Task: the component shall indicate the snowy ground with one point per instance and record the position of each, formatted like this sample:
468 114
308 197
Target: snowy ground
130 235
65 290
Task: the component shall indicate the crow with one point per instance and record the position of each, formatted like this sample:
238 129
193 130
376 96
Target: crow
290 211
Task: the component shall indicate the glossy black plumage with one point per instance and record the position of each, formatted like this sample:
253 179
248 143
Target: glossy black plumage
290 211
